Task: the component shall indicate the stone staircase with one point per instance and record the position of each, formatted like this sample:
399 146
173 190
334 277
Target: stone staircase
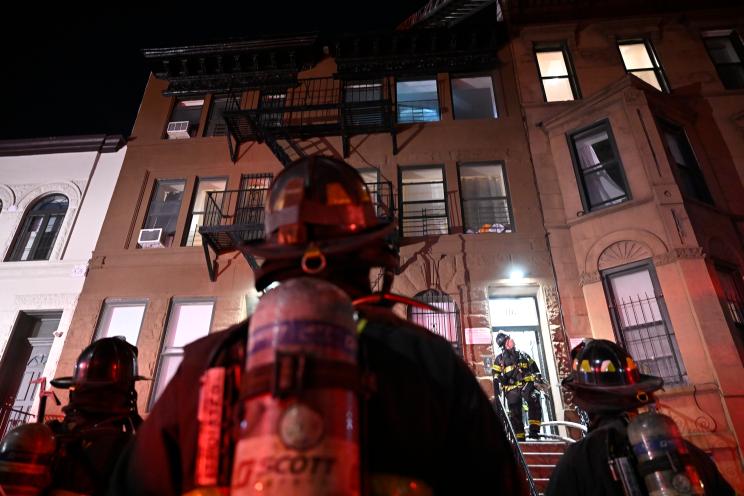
541 458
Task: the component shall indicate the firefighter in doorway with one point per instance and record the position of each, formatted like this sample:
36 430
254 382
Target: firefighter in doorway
517 374
426 426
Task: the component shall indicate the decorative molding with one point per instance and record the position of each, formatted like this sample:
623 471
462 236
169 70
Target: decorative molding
678 254
46 301
7 197
621 253
589 278
652 243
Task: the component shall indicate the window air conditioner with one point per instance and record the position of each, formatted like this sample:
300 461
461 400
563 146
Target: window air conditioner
151 238
178 130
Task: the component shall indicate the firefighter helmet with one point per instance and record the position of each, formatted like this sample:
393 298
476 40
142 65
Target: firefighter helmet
25 459
108 361
319 206
604 377
501 339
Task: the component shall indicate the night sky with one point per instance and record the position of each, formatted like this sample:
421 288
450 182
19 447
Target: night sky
75 70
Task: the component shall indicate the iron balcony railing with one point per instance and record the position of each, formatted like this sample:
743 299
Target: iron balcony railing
486 215
235 217
10 418
426 221
314 107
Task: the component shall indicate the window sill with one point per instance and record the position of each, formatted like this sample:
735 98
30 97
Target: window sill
595 214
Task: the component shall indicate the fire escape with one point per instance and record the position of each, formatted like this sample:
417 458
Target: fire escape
292 120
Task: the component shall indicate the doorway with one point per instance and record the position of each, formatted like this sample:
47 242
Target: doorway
23 363
518 317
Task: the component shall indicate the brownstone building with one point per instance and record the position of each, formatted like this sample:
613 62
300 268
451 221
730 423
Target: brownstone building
545 165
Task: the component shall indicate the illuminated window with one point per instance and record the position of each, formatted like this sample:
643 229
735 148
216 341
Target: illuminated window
164 208
445 323
641 61
423 202
417 101
485 198
121 318
556 72
472 98
39 229
726 50
187 322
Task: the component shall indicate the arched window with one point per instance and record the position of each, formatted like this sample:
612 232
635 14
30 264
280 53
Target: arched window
445 323
35 239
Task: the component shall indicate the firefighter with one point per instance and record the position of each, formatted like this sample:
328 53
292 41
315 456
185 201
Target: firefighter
607 384
426 423
26 455
100 418
517 374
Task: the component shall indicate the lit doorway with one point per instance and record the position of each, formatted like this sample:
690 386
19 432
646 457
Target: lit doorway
518 317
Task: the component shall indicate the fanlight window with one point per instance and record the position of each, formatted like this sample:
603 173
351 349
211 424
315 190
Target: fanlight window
35 239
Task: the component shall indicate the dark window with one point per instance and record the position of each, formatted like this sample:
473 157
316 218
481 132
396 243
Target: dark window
423 202
445 323
731 294
598 168
35 239
417 101
641 61
203 185
641 321
164 208
727 53
186 110
472 97
556 72
215 123
249 213
485 198
684 164
271 108
363 105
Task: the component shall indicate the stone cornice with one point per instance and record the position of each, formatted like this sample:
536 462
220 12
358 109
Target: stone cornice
102 143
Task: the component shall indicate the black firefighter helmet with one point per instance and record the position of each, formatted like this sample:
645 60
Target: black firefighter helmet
604 378
501 339
25 459
319 207
106 362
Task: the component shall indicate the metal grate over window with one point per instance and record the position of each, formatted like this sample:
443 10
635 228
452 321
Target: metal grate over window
445 323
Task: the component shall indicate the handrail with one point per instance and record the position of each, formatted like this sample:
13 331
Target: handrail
512 438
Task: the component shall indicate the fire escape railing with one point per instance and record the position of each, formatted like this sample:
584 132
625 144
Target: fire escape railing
235 217
282 117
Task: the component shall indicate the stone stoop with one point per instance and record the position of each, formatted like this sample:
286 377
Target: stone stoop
541 458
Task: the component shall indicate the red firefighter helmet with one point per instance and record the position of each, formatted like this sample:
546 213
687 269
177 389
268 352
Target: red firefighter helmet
108 361
319 206
25 459
604 377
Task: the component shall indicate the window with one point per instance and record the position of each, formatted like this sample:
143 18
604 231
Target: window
363 103
641 61
164 207
249 212
198 205
641 321
556 72
731 294
215 123
445 323
187 322
485 198
418 101
39 230
472 98
727 53
121 318
188 110
423 204
684 164
272 101
598 168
